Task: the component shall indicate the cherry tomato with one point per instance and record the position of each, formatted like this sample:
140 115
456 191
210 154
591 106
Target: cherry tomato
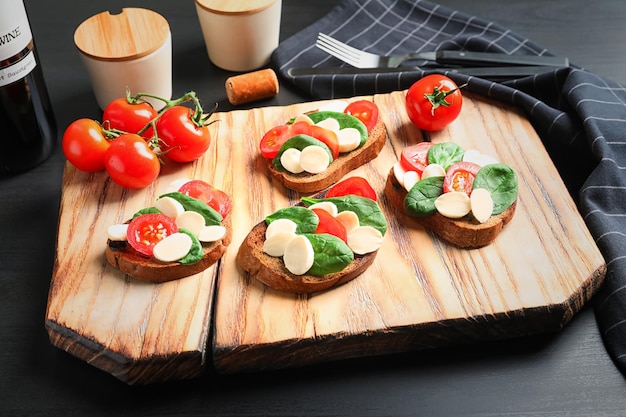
364 110
433 102
415 157
353 185
147 230
129 117
84 145
203 191
460 177
329 224
131 162
183 140
274 138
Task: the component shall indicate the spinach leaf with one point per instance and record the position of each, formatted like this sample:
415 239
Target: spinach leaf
501 181
299 142
147 210
345 121
420 201
367 210
445 154
305 219
211 217
331 254
196 253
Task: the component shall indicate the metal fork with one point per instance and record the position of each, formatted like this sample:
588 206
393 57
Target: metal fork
361 59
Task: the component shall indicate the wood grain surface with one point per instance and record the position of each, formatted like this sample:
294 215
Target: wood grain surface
420 293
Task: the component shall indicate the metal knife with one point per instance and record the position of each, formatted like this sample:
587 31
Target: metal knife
491 71
489 58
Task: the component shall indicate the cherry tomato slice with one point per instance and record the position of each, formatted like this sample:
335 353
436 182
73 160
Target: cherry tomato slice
353 185
129 117
415 157
460 177
327 136
329 224
433 102
147 230
364 110
131 162
275 138
84 145
203 191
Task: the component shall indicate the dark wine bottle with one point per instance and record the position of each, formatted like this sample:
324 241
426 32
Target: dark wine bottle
27 125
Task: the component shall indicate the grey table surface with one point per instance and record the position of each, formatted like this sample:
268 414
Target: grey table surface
564 374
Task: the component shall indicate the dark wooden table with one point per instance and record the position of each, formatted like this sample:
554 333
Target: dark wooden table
564 374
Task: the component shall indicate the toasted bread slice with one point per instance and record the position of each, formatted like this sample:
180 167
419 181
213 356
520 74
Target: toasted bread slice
272 271
465 232
309 183
121 255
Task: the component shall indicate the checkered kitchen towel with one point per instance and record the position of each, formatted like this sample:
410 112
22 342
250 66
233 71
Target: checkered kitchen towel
580 117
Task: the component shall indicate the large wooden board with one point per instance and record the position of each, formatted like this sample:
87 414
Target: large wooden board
420 293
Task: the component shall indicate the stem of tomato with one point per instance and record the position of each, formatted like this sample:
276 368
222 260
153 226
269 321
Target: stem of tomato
438 97
198 117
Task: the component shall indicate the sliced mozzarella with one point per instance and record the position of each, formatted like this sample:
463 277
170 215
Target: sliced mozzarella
329 123
329 206
453 205
398 172
364 239
169 206
349 219
349 139
410 179
303 118
290 160
190 220
472 155
176 184
280 225
276 244
211 233
299 255
433 170
117 232
481 204
314 159
173 247
337 105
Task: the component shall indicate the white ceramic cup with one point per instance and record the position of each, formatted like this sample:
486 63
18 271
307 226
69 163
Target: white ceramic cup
114 64
240 35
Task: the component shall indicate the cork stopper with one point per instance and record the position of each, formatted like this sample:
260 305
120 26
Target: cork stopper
131 34
234 7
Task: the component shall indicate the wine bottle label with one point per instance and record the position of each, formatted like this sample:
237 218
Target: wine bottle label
17 59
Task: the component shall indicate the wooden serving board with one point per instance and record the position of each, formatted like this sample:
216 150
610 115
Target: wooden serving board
420 292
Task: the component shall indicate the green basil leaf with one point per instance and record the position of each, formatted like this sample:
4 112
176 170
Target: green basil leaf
445 154
299 142
420 201
345 121
211 217
196 253
501 181
367 210
331 254
305 219
147 210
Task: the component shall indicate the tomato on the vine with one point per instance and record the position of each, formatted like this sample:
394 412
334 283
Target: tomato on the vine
131 162
85 145
433 102
353 185
364 110
183 140
415 157
147 230
460 177
203 191
128 117
330 224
